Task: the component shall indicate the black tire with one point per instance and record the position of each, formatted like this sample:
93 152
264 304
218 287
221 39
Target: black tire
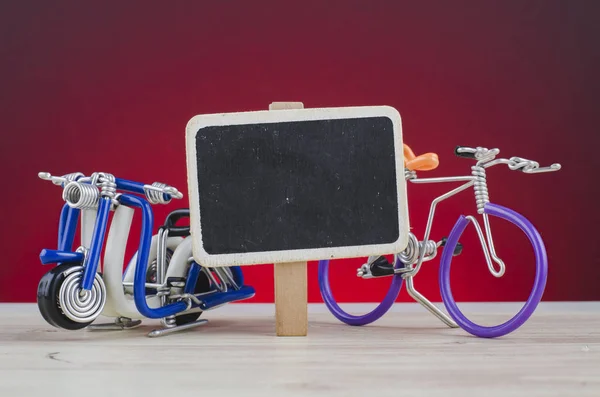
48 301
202 285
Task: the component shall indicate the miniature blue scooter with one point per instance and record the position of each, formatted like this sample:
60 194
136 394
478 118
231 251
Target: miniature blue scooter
161 281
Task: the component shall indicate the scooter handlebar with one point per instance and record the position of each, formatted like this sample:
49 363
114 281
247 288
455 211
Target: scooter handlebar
152 191
57 180
157 193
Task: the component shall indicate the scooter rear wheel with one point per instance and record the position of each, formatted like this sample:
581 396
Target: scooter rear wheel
202 285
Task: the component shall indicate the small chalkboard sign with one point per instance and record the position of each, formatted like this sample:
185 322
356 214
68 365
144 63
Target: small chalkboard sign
296 185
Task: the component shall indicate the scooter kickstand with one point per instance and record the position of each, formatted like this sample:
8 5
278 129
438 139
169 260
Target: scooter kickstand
171 329
120 323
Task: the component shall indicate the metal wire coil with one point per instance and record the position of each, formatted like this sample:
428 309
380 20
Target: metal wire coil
525 165
81 195
107 184
482 196
73 176
79 305
408 174
484 155
411 253
157 197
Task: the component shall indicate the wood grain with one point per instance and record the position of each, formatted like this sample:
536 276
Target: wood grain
291 310
407 352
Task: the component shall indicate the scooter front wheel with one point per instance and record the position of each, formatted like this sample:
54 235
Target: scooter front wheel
541 265
63 304
351 319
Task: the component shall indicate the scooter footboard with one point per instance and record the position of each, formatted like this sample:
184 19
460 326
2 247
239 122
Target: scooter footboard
214 299
48 256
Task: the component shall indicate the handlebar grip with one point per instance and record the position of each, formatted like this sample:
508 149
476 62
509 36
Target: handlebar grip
463 155
172 218
183 231
175 216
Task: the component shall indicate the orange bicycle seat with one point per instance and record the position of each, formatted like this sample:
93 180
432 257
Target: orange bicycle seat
423 162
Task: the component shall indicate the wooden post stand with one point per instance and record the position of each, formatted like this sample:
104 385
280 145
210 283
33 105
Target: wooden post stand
291 300
250 156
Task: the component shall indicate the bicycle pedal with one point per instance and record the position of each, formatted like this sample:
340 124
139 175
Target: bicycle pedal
381 267
457 250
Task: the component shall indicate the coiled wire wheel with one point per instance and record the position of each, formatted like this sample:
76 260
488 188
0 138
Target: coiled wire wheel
80 305
63 304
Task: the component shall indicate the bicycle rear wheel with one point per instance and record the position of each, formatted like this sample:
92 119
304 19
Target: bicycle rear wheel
541 264
351 319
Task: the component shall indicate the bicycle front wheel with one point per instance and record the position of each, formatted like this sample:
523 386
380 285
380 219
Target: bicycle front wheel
364 319
541 265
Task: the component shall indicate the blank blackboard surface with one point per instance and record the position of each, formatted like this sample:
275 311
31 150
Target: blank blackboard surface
278 186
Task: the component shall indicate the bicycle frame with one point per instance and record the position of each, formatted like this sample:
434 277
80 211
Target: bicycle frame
408 263
489 253
470 182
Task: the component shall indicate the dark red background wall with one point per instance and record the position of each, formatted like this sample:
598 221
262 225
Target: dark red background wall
110 87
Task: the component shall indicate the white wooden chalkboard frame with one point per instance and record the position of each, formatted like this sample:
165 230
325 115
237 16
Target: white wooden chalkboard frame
306 114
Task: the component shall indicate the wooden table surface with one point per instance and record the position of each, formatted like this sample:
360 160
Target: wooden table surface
407 352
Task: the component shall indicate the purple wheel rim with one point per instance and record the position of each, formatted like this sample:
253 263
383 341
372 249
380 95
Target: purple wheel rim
541 265
364 319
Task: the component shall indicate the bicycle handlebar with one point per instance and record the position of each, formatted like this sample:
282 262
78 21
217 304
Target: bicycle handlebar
465 152
485 158
530 166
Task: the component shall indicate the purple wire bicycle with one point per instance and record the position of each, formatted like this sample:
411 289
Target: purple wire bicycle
408 263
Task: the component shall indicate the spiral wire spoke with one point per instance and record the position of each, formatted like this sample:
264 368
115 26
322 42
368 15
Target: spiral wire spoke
79 305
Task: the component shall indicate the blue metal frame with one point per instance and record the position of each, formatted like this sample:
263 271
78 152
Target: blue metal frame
67 226
93 258
216 298
219 298
139 284
55 256
192 278
238 275
69 219
62 223
134 187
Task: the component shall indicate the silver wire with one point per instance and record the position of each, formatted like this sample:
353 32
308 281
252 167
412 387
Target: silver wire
155 193
80 305
411 253
482 196
81 195
434 203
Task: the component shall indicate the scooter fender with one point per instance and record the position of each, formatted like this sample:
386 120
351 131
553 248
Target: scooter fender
116 243
178 266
